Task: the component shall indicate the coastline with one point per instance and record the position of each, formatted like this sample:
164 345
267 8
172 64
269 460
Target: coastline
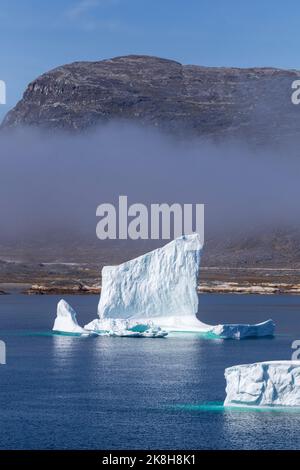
210 287
85 279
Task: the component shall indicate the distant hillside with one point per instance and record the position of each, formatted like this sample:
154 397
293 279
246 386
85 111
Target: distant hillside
217 102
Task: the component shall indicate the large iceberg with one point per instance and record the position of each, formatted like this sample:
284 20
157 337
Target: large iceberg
66 321
274 383
160 288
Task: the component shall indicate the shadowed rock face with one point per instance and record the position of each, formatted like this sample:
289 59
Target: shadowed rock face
215 102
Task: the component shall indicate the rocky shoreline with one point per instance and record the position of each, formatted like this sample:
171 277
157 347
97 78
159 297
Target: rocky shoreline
213 287
248 288
85 279
79 289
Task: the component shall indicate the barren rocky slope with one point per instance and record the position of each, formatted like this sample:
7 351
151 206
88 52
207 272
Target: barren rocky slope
250 103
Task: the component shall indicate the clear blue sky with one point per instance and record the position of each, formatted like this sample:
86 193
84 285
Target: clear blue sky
36 35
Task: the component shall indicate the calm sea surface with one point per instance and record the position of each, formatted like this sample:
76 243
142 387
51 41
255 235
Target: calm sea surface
61 392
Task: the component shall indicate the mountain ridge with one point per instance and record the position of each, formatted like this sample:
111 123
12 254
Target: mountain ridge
248 103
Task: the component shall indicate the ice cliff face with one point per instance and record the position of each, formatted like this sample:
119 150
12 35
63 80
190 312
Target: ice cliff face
159 283
275 383
158 287
65 321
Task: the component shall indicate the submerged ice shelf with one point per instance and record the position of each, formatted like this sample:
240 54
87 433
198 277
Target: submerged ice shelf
160 288
263 384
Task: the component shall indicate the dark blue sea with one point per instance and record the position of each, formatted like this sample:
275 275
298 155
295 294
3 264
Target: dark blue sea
62 392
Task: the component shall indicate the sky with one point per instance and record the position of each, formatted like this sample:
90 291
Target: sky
37 36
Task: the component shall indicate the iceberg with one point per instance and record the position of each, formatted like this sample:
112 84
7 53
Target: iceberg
159 289
263 384
239 331
158 284
66 321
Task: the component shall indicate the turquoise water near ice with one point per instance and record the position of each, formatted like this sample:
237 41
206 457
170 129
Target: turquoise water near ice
218 407
66 392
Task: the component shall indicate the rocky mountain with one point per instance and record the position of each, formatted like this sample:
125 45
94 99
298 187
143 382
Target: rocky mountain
250 103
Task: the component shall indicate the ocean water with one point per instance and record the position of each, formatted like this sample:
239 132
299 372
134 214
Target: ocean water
62 392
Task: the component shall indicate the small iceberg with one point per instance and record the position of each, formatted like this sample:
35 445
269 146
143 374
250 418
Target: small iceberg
66 321
160 289
263 384
236 331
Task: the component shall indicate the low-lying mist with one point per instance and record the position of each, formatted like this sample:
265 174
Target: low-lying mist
51 185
